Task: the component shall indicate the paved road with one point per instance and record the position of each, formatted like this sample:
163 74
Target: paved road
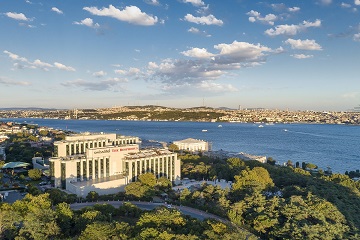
201 215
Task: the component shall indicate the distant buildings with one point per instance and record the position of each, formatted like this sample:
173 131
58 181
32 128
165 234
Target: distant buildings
193 145
106 163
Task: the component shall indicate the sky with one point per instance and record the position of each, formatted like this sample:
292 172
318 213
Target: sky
296 55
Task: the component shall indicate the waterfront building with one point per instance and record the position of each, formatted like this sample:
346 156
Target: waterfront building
106 163
193 145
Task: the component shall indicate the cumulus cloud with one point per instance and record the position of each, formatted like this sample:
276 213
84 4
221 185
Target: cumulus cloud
357 2
132 71
197 3
99 74
15 57
17 16
301 56
356 37
204 20
63 67
22 62
197 53
88 22
7 82
108 84
130 14
303 44
206 67
55 9
292 29
256 16
293 9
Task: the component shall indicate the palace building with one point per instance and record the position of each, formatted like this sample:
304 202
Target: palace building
106 163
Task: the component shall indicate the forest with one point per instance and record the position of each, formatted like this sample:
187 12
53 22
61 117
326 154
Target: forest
265 200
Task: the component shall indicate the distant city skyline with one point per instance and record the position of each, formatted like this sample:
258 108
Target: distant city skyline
297 55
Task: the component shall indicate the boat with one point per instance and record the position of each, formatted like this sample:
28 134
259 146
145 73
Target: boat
204 130
220 125
261 126
285 130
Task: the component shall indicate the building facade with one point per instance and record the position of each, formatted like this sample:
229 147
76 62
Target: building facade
193 145
106 163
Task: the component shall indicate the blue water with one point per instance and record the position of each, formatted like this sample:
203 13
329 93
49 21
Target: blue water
335 146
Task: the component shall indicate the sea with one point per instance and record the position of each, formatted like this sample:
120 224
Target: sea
326 145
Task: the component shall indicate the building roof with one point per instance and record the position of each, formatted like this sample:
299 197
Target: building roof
190 140
15 165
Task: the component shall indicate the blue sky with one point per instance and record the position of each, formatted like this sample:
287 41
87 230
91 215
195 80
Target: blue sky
298 55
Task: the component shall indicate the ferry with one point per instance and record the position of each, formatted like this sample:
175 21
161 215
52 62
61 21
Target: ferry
204 130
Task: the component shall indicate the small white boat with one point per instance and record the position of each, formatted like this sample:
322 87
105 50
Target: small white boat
261 126
204 130
285 130
220 125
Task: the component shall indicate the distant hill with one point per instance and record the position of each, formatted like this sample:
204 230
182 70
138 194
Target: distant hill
27 109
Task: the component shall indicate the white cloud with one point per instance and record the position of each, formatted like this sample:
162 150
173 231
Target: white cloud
130 14
211 86
8 82
194 30
356 37
292 29
303 44
17 16
63 67
119 71
357 2
99 74
301 56
204 20
55 9
108 84
88 22
197 3
197 53
40 64
256 16
153 2
15 57
325 2
345 5
35 64
294 9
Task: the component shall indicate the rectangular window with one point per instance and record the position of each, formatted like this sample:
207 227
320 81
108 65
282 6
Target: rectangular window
96 168
82 148
91 169
142 166
133 171
63 176
52 170
107 167
161 168
147 166
138 168
156 167
91 145
84 170
78 171
56 151
72 149
101 168
126 170
67 150
77 149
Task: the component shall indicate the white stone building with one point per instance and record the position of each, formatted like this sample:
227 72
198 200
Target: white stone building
193 145
106 163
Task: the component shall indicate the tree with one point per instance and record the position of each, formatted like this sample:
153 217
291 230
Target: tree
92 196
35 174
138 190
258 178
147 179
164 184
64 218
310 166
270 161
104 230
173 147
